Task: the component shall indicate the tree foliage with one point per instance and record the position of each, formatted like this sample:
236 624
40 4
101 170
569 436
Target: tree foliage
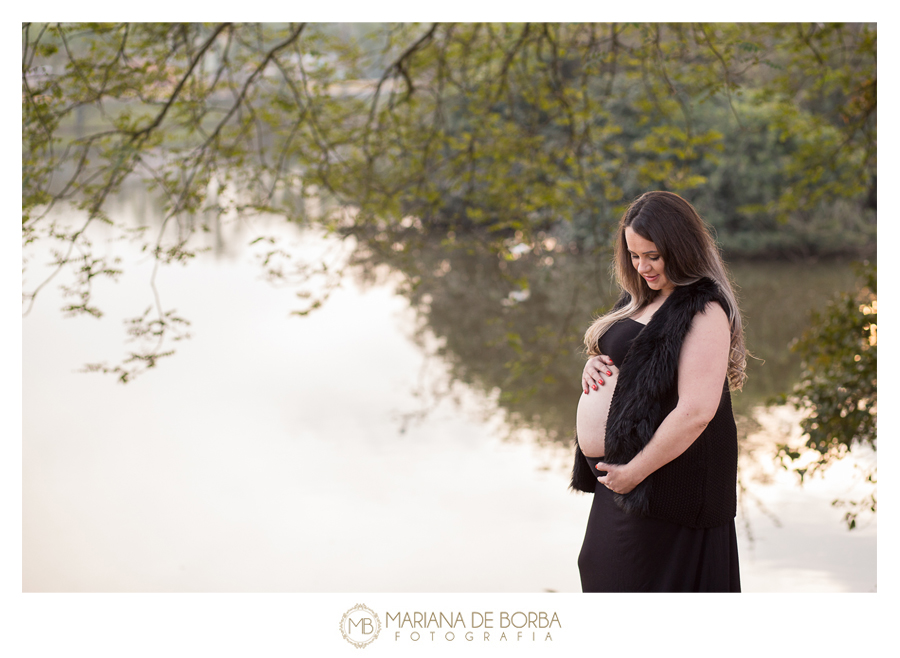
489 128
838 390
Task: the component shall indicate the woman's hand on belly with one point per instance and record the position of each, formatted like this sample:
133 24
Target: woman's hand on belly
619 478
595 372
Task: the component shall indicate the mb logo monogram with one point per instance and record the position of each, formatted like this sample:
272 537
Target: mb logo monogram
360 626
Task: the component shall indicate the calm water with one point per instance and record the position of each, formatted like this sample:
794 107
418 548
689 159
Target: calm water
376 444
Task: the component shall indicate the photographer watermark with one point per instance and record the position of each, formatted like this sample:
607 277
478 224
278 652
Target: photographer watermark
360 626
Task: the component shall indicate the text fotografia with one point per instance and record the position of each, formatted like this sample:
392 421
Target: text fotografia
482 626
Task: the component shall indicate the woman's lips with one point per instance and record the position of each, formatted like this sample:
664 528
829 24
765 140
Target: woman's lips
651 278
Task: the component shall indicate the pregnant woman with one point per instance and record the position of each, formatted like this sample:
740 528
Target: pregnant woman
656 439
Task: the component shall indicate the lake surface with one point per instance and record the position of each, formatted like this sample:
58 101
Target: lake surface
388 441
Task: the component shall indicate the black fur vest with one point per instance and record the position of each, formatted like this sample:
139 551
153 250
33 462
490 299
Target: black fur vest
697 488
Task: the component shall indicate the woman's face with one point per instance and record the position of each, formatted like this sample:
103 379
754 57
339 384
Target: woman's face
648 262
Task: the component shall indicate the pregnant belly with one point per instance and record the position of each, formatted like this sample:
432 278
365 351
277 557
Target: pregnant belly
590 419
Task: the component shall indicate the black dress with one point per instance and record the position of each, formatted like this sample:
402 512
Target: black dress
628 553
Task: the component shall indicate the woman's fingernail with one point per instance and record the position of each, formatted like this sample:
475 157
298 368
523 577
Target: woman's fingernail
601 382
609 373
594 386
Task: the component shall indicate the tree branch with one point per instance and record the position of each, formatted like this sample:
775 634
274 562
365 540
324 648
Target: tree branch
159 117
259 69
398 65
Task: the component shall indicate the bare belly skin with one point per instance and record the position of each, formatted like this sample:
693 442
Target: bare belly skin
590 419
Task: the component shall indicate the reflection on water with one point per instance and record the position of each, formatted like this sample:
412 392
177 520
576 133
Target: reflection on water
407 436
792 537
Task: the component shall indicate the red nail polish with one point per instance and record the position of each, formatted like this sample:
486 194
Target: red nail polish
601 382
609 373
594 386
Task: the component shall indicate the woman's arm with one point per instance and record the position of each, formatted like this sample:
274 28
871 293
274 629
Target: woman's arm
702 367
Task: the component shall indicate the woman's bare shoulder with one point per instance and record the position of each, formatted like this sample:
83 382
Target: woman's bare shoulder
711 324
712 315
